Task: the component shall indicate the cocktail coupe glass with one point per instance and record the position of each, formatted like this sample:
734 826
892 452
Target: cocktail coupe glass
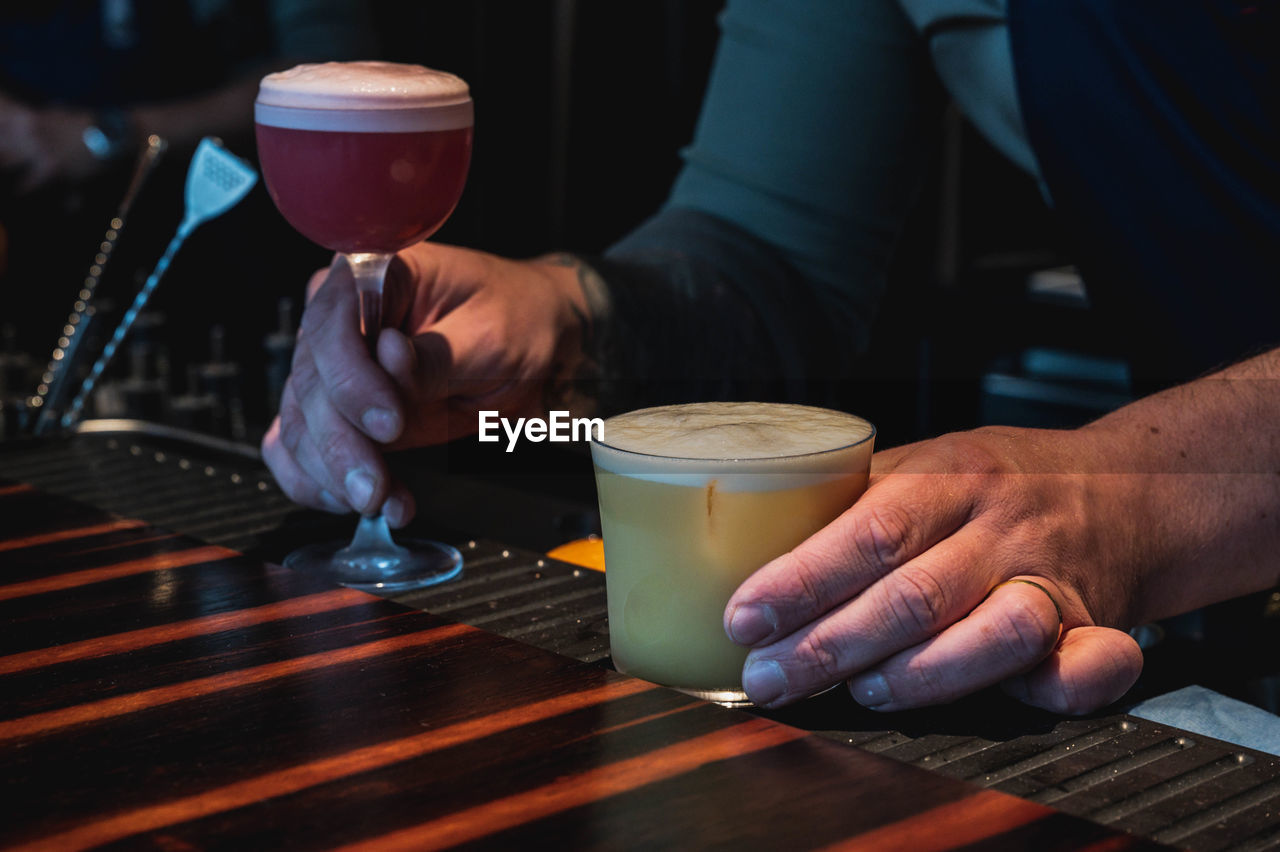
367 158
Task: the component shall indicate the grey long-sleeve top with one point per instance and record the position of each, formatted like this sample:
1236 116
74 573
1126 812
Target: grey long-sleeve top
761 275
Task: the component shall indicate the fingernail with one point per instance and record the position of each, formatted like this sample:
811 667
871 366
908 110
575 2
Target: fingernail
333 504
381 423
763 680
359 485
870 690
393 510
750 623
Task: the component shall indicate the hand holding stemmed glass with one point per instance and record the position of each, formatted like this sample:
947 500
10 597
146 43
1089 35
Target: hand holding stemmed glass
367 158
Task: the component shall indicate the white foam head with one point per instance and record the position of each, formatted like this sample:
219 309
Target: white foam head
363 96
746 445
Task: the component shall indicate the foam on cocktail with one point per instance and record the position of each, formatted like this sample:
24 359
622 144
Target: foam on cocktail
745 446
361 85
363 97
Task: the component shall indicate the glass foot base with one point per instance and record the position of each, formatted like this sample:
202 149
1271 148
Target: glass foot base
723 697
414 564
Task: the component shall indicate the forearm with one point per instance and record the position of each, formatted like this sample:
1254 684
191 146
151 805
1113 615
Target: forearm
1195 471
690 308
700 309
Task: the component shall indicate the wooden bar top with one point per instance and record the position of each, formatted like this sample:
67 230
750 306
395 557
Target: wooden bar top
159 693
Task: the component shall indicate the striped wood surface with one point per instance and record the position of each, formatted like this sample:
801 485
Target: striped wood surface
156 692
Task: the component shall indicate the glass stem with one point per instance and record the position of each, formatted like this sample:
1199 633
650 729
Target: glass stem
369 270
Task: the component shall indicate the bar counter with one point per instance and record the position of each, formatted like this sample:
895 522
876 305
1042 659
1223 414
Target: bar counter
160 692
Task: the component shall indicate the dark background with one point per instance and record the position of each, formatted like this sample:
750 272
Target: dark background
582 109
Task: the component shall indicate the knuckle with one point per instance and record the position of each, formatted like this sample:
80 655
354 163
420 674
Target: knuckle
302 371
292 426
300 492
294 486
346 387
883 539
916 605
808 571
1022 632
333 448
272 457
818 655
326 288
925 684
315 282
973 452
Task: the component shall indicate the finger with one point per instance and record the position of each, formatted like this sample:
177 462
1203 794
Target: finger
400 506
304 453
898 518
1091 668
293 481
907 607
345 454
341 460
1015 628
343 371
398 357
317 279
419 369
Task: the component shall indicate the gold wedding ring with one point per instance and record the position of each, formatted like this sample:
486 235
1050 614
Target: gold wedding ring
1047 593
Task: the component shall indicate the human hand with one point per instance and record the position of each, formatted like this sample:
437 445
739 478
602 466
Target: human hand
464 331
907 595
43 145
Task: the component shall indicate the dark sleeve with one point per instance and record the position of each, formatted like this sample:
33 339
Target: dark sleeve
762 274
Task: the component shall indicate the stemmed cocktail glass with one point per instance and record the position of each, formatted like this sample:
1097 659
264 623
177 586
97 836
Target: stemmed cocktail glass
367 158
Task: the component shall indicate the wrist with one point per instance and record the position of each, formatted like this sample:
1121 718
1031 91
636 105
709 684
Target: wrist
582 304
1192 521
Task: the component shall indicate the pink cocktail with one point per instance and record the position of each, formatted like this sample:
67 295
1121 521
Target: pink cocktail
367 158
364 156
381 191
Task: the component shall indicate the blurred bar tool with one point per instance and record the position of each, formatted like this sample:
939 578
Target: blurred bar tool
54 384
216 181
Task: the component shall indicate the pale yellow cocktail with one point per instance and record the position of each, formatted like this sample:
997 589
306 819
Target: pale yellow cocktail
693 499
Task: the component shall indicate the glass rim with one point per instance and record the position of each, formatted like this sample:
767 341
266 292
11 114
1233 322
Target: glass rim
372 105
746 459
